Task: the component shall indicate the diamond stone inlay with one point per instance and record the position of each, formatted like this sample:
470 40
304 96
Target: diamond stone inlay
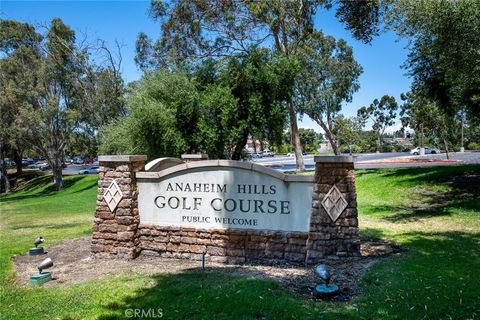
113 195
334 203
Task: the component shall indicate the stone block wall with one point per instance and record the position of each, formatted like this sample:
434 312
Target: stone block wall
119 232
220 245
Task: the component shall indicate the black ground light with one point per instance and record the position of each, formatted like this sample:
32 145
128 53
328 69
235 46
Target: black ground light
40 277
37 250
327 289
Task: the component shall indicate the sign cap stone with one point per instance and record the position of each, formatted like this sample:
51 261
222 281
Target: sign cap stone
122 158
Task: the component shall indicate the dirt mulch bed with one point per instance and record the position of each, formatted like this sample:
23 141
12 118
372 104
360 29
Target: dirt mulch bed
73 264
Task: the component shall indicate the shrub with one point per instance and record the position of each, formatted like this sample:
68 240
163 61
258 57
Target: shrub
284 148
346 149
473 146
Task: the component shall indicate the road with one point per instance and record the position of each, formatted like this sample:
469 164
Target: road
73 169
374 160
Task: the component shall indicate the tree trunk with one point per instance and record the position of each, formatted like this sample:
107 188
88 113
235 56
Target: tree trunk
296 137
17 157
57 167
58 177
331 139
330 136
4 179
237 152
379 143
445 142
422 136
3 171
462 124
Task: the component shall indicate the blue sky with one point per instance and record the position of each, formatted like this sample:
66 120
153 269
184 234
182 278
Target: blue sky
123 20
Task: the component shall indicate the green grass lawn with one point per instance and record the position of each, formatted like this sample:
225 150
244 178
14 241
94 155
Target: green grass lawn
433 212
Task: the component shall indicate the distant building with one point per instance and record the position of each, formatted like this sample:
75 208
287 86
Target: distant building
254 145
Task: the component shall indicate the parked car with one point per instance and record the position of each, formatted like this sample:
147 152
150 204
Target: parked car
44 166
89 170
27 161
36 165
255 155
428 150
78 160
268 153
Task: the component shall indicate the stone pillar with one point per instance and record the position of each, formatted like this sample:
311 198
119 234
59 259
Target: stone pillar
116 215
334 221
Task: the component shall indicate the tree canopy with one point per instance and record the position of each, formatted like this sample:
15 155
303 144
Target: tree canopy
192 30
328 77
444 56
213 109
383 113
52 93
19 44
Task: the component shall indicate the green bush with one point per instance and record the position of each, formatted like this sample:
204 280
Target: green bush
387 148
284 148
402 146
473 146
355 149
311 149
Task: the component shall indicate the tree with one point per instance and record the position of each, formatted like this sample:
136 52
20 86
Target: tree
162 118
427 119
415 113
310 139
329 76
382 113
170 113
52 93
56 113
444 54
101 93
196 29
349 130
19 45
67 92
213 110
262 84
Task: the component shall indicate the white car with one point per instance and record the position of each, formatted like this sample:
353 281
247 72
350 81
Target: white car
89 170
268 153
428 150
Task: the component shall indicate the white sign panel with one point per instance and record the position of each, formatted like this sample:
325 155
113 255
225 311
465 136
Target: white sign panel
225 197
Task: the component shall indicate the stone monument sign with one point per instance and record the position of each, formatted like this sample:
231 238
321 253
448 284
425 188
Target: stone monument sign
230 211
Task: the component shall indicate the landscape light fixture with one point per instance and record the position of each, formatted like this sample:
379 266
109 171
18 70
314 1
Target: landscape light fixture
326 289
37 250
40 277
